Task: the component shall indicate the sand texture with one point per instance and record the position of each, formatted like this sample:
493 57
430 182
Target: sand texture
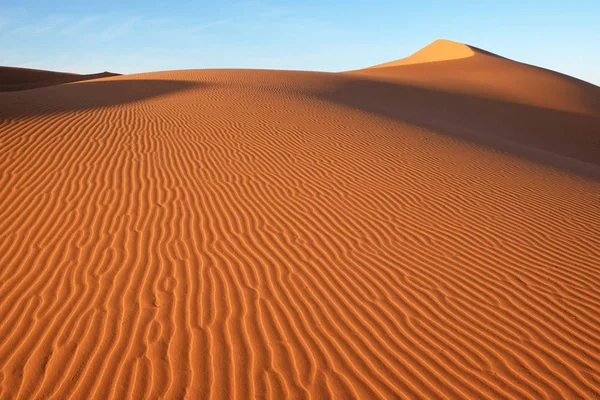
14 79
424 231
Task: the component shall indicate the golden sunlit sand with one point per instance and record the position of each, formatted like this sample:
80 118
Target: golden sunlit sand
425 229
440 50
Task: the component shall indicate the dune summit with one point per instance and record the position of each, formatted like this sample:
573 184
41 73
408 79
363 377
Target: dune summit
439 50
419 231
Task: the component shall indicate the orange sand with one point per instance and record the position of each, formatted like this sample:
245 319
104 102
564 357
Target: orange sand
422 231
13 79
440 50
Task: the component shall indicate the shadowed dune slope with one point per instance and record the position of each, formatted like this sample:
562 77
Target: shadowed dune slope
265 234
13 79
490 95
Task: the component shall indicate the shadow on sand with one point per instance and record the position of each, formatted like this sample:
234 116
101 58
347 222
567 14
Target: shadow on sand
86 96
559 139
556 138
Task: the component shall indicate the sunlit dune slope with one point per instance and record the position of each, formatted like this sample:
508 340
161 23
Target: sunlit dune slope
439 50
13 79
276 234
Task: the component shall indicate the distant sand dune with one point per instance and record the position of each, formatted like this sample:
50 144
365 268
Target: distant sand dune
278 234
13 79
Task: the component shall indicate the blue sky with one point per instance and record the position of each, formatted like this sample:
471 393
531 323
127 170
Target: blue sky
323 35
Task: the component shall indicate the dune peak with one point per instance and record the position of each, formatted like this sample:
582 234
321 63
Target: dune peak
438 50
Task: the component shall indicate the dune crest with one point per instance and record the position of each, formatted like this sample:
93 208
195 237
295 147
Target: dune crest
439 50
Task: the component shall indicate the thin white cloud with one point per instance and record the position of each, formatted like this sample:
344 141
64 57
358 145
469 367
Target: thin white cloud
161 21
48 25
208 25
121 28
79 25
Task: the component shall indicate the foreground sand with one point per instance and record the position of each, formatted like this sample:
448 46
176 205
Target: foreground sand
249 234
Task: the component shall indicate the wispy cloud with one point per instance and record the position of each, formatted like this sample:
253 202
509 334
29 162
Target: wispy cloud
275 12
210 24
120 28
79 25
51 23
265 10
161 21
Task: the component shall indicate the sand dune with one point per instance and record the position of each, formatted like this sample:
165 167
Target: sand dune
278 234
487 75
13 79
486 94
439 50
